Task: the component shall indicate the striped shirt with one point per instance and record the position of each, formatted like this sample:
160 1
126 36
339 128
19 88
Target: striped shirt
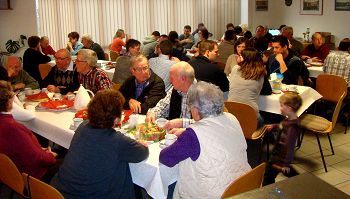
96 79
338 63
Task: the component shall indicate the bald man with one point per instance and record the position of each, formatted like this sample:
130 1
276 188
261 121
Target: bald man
63 77
317 51
19 78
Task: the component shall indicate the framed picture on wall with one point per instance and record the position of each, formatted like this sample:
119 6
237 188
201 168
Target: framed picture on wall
311 7
342 5
261 5
5 5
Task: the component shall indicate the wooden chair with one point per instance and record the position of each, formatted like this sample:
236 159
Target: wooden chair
249 181
10 176
113 55
41 190
107 56
44 70
248 120
333 89
116 86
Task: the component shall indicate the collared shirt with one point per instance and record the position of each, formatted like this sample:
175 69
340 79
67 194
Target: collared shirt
76 48
70 67
338 63
96 79
161 110
161 65
140 87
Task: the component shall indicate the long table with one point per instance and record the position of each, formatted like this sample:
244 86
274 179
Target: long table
149 174
270 103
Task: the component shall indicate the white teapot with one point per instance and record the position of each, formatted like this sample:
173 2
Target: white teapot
82 98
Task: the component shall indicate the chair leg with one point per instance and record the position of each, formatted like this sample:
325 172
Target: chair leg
300 139
319 146
346 124
330 143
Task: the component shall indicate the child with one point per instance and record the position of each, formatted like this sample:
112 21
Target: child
288 132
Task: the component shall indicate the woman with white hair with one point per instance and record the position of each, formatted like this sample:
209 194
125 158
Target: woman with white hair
91 77
88 43
211 153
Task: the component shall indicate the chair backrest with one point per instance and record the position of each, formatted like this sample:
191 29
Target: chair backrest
41 190
107 56
249 181
246 116
44 70
116 86
332 88
113 55
10 175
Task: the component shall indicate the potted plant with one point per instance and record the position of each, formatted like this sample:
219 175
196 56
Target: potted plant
13 46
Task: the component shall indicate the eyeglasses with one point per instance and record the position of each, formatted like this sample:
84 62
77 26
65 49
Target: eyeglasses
79 61
144 69
60 59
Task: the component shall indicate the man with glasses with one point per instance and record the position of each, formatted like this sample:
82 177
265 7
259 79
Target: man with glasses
63 77
144 88
91 77
19 78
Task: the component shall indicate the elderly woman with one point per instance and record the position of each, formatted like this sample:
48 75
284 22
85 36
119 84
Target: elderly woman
19 143
211 153
97 163
88 43
90 76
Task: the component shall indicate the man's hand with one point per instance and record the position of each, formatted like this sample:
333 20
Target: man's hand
177 131
283 66
316 59
69 46
150 117
52 88
19 86
305 57
135 105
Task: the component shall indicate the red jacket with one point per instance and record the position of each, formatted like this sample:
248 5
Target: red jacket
48 50
22 147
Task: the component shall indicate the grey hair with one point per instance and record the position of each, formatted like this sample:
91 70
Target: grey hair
89 56
5 59
136 59
207 98
87 37
185 69
288 29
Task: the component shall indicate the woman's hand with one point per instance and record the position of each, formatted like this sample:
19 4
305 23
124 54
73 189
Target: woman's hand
174 123
177 131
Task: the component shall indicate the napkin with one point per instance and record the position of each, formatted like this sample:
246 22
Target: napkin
39 96
60 104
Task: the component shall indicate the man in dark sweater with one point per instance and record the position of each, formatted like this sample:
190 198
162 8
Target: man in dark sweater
32 57
63 77
144 88
90 44
207 71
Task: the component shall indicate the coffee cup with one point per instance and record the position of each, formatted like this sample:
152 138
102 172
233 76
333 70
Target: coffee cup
309 61
57 95
21 96
160 122
170 139
133 118
44 90
77 121
70 96
28 91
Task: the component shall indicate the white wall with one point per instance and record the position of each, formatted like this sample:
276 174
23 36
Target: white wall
21 20
336 22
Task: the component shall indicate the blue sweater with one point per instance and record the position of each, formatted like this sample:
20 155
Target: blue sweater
96 165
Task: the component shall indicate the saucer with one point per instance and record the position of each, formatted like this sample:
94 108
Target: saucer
72 127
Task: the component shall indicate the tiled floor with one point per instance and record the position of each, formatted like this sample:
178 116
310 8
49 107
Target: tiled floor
308 158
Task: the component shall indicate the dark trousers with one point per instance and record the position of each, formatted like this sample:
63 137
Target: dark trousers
271 174
51 171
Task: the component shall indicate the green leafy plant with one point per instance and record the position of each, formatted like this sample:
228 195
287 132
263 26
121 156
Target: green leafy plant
13 46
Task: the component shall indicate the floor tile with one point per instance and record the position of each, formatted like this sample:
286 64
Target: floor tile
333 176
329 158
345 187
343 166
308 147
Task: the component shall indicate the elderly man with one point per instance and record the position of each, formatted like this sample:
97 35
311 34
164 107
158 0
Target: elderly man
297 46
174 104
122 71
186 39
259 41
74 45
86 39
63 77
144 88
207 71
90 76
161 64
45 46
32 57
19 78
283 61
317 51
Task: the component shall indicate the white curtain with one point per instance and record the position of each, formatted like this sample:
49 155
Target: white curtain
139 18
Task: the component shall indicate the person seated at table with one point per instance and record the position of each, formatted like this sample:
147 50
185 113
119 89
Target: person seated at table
149 43
63 77
97 162
235 58
205 70
91 77
178 51
123 64
19 78
288 132
186 39
32 57
247 79
211 153
144 88
74 45
285 62
203 35
317 51
259 41
297 46
45 46
20 144
118 42
161 65
174 105
88 43
226 47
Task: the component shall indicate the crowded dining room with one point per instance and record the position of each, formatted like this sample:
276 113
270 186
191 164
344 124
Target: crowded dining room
161 99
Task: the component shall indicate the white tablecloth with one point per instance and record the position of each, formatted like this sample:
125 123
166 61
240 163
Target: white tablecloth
109 72
270 103
149 174
315 71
